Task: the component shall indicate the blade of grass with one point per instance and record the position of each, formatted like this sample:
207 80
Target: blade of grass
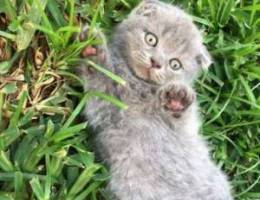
250 94
110 99
1 109
56 13
15 117
47 187
37 188
106 72
68 132
224 107
18 185
5 163
83 179
26 31
9 135
7 35
8 8
202 21
226 12
6 65
83 195
69 33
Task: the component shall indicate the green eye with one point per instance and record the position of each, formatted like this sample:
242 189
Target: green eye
175 64
151 39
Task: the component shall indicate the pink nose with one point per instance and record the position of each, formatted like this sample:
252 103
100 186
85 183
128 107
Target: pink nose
155 64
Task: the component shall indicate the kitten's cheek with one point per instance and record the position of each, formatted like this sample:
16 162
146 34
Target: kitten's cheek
142 72
153 76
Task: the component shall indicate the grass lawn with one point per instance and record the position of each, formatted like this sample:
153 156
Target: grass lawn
44 149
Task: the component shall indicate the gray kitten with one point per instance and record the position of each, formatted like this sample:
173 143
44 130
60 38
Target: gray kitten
153 148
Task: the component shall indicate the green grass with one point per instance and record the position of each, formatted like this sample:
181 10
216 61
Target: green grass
44 149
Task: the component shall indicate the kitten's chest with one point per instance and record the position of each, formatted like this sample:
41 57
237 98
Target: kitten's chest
172 153
137 96
153 139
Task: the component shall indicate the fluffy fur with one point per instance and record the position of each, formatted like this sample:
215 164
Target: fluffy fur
153 148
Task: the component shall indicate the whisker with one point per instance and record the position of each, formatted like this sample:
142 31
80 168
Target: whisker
161 76
141 57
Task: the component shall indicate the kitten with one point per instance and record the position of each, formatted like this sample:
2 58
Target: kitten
153 148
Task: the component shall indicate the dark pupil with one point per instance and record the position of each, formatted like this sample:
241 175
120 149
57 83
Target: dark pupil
175 65
150 39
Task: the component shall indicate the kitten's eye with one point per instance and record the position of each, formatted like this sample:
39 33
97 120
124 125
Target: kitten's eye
151 39
175 64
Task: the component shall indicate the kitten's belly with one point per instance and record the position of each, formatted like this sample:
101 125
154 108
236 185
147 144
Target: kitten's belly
150 161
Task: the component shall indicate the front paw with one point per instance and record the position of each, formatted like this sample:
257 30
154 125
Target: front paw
95 52
176 98
88 51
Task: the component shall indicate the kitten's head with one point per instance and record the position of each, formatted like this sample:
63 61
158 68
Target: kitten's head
161 43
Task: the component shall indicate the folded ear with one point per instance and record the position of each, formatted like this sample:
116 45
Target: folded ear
203 58
147 8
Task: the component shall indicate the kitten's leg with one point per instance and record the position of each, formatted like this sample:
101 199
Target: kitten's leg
177 105
97 111
96 53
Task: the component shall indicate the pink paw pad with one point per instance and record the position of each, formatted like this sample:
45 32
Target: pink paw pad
89 51
177 99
